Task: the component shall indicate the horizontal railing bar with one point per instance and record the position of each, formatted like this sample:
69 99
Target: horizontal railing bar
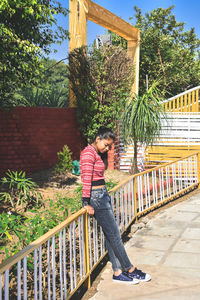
182 94
35 244
148 171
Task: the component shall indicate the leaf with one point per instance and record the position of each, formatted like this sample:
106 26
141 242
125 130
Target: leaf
8 235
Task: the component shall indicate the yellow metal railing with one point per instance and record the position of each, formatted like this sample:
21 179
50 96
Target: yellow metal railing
187 101
59 262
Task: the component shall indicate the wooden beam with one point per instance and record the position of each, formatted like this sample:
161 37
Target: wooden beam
107 19
83 10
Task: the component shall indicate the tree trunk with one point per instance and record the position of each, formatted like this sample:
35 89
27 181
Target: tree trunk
134 167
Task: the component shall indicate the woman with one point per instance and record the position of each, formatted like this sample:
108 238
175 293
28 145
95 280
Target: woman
97 202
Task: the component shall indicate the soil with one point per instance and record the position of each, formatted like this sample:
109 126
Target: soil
51 184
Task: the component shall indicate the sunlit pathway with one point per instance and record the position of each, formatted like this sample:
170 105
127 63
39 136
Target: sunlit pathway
169 249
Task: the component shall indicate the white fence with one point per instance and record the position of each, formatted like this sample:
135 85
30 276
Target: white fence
180 133
180 129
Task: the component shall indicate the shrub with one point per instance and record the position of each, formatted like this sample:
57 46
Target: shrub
101 80
64 161
21 190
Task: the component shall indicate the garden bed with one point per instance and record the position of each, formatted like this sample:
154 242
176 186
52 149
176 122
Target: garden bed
61 196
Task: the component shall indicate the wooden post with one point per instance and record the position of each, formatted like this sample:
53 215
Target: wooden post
133 50
77 32
77 24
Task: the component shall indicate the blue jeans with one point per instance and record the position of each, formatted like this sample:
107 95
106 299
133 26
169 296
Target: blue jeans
101 202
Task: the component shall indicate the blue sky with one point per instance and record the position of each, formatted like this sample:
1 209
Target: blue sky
184 11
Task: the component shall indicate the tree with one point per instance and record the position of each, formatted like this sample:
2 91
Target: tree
52 91
101 81
167 52
26 35
141 120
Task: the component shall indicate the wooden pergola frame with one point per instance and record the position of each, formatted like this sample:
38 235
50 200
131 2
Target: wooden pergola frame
83 10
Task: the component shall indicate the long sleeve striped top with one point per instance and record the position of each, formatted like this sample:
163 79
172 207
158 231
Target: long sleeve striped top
92 169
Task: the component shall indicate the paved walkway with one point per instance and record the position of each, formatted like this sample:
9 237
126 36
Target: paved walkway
168 248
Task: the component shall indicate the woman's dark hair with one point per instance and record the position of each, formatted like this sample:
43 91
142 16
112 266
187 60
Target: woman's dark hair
105 133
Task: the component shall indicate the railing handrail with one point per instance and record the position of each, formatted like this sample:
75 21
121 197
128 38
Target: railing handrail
35 244
182 94
149 170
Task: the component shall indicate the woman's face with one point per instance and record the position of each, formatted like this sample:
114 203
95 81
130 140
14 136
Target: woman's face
103 145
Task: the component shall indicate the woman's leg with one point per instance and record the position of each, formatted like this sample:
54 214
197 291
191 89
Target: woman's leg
116 266
104 215
105 218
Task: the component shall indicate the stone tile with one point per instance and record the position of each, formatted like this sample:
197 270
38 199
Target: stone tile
183 216
164 231
167 283
191 233
188 272
190 207
152 242
144 256
183 245
183 260
187 293
197 220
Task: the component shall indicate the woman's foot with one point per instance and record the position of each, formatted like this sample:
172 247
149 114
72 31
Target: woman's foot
139 275
124 278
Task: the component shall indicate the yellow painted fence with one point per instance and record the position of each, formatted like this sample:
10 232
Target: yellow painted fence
187 101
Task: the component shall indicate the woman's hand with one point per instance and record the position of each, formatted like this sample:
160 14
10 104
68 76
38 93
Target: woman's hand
90 210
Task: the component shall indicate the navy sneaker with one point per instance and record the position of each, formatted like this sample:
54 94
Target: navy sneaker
123 278
138 274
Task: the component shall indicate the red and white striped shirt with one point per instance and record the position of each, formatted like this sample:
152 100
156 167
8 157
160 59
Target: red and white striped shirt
92 169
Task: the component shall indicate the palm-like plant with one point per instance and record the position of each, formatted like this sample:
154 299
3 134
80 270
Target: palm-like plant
141 120
21 190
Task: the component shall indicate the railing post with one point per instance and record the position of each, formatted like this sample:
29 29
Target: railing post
198 169
135 198
86 249
197 101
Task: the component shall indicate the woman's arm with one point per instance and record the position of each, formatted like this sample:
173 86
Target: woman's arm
87 161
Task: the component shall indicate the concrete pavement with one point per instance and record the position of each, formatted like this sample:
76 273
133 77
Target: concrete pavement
168 248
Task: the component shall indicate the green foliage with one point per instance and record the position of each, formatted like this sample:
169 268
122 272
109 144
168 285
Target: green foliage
101 81
19 231
64 160
68 205
118 40
26 35
110 184
9 226
22 190
52 91
168 54
141 119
